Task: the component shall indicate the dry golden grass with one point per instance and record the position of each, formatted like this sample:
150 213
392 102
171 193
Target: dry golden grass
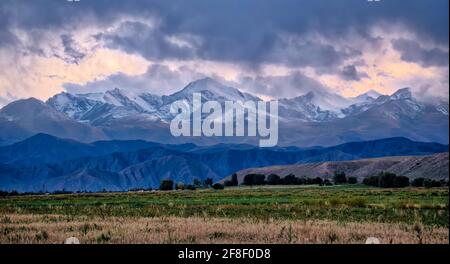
26 228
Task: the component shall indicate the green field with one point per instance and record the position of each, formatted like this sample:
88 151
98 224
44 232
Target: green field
429 207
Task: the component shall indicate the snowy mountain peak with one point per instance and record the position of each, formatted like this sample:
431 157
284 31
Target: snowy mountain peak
404 93
367 96
213 90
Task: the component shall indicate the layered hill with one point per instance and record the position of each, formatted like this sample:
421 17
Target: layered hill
47 163
431 166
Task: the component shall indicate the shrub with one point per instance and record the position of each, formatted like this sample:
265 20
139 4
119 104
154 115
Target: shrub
166 185
317 180
42 235
352 180
339 178
273 179
227 183
418 182
218 186
327 183
191 187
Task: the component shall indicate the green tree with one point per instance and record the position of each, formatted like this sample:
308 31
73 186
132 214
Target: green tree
352 180
197 182
401 182
166 185
290 179
208 182
340 178
273 179
217 186
418 182
254 179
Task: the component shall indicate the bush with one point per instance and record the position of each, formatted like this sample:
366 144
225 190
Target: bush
352 180
327 183
217 186
227 183
317 180
418 182
166 185
191 187
254 179
339 178
273 179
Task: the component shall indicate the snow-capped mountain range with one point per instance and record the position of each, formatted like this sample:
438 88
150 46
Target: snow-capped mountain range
315 118
313 106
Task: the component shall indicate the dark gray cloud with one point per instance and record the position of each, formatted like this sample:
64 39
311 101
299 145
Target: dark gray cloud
140 38
158 79
291 85
70 49
350 73
153 44
232 30
412 51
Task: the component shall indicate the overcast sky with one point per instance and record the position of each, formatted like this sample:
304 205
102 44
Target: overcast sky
270 48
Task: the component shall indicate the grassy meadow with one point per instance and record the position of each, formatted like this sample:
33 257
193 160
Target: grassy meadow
268 214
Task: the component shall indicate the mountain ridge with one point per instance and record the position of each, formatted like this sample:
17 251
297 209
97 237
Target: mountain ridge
315 118
122 165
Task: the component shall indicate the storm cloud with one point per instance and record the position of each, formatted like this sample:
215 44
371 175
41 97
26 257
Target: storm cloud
350 73
412 51
272 46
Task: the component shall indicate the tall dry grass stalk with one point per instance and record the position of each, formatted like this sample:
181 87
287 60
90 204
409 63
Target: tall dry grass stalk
17 228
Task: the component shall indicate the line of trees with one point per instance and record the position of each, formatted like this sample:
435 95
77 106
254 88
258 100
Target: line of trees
274 179
383 180
391 180
168 184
